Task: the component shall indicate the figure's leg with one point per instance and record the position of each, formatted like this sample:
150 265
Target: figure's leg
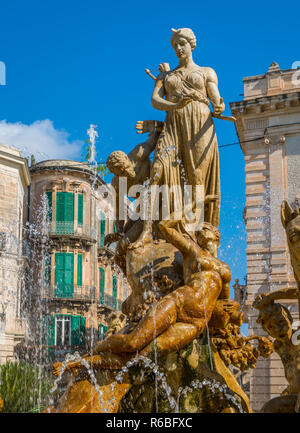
105 360
175 337
156 321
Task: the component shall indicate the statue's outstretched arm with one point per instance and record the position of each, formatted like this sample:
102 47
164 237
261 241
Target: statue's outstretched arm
263 299
172 235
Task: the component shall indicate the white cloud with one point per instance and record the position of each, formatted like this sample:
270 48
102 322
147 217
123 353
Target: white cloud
40 139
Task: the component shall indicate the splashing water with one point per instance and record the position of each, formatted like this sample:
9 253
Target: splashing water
93 134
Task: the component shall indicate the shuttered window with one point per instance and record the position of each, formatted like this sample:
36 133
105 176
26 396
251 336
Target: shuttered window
102 229
64 275
65 212
80 209
101 285
79 270
65 330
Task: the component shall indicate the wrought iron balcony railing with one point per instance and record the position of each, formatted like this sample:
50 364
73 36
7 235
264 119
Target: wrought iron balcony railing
58 353
110 302
68 228
72 291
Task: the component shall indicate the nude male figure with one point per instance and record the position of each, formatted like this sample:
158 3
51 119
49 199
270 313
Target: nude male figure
180 316
135 166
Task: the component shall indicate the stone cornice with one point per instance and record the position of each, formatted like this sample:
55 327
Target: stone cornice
265 104
21 163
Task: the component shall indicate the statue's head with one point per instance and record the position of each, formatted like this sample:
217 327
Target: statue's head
183 41
208 238
119 164
291 222
276 320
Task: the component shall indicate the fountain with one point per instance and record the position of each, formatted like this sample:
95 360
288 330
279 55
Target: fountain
183 331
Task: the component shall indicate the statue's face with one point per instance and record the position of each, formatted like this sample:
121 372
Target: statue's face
208 240
181 47
278 326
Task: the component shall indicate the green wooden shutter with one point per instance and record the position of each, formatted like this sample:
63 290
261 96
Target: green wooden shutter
115 290
43 330
80 209
102 229
51 331
47 269
69 206
82 330
114 228
49 212
60 206
64 275
59 274
65 212
101 285
79 270
69 275
75 335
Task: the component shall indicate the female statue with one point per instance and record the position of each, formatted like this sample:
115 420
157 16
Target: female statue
187 150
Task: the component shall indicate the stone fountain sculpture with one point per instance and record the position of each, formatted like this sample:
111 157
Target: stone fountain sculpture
277 321
183 331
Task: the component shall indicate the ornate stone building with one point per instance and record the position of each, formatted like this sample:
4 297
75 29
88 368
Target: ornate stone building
78 285
268 127
14 180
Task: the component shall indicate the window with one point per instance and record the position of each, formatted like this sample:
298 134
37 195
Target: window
65 212
102 331
102 229
80 209
64 275
101 285
63 330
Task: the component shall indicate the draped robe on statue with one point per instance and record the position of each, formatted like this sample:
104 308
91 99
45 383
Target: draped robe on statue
187 147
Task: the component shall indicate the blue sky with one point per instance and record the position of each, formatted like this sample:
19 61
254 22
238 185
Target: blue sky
72 63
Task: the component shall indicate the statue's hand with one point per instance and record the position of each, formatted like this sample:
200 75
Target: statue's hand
164 67
183 101
218 109
210 198
144 126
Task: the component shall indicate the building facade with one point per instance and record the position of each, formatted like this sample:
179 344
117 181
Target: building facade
14 180
268 127
72 271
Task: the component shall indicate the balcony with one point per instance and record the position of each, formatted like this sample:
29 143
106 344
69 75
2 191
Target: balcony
68 228
110 302
72 292
58 353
